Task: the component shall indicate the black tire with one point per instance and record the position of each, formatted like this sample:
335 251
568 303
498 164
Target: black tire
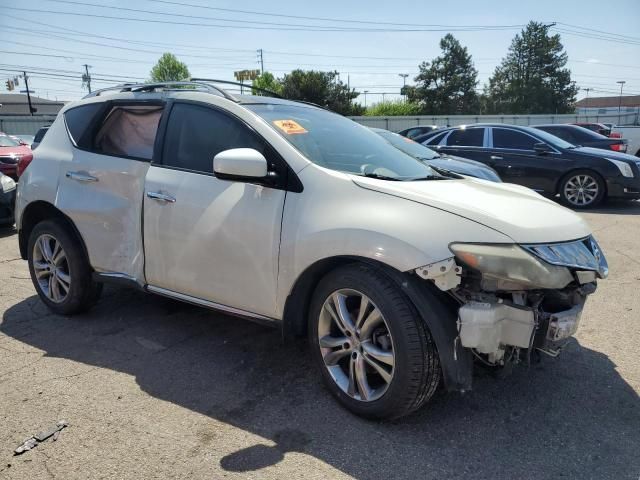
416 373
589 176
83 292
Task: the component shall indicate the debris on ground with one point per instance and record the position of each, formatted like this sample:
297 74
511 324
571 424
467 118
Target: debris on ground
34 440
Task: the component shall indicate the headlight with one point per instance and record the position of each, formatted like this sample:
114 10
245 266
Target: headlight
624 167
509 267
7 184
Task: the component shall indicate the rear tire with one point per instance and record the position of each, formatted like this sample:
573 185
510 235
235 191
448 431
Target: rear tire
380 364
59 269
582 189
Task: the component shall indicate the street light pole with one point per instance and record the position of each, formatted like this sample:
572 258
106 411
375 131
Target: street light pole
365 98
586 102
621 82
404 83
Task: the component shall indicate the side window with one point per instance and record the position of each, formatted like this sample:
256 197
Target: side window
129 131
196 134
414 132
466 137
505 138
78 119
435 140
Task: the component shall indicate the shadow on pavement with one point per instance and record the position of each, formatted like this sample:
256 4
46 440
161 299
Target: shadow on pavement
573 416
617 207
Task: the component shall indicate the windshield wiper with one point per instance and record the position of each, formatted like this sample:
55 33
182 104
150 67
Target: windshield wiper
379 176
429 177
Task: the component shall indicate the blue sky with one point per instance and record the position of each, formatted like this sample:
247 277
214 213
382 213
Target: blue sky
28 29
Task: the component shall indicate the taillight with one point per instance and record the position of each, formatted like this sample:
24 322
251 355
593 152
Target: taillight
23 163
618 147
615 135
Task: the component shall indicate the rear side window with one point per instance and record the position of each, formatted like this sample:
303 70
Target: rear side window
435 140
129 131
505 138
562 133
195 134
40 135
78 120
466 137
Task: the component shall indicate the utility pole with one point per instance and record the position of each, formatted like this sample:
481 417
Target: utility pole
586 102
261 58
365 98
621 82
26 85
86 78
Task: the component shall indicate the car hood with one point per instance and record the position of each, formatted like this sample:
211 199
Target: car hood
598 152
10 151
516 211
465 166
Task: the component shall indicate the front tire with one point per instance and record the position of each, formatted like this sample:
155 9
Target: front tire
59 269
582 189
374 352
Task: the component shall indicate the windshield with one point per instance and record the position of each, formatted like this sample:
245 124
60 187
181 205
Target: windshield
551 139
335 142
6 141
408 146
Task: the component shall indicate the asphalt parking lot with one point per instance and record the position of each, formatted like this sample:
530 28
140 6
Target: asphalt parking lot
156 389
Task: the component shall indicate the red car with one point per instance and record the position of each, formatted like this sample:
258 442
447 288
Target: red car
11 152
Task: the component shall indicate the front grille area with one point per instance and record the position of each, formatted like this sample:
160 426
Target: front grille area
584 254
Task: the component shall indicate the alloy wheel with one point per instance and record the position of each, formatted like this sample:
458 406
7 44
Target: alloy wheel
581 190
51 268
356 345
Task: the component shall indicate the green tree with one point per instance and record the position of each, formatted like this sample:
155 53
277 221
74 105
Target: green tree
447 84
321 88
169 69
397 107
532 78
267 81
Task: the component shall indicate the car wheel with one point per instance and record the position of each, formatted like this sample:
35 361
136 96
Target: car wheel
582 189
59 269
373 350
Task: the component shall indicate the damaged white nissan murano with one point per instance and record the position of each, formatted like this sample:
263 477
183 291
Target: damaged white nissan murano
399 274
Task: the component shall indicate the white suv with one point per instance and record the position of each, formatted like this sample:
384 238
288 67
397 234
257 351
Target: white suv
282 212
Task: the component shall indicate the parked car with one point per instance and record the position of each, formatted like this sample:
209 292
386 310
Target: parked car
38 137
632 136
416 131
11 151
582 176
600 128
584 137
288 214
441 162
7 199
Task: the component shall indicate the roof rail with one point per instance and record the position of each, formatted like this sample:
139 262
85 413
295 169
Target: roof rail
156 86
237 84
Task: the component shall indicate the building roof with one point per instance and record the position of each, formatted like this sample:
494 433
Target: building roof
604 102
16 104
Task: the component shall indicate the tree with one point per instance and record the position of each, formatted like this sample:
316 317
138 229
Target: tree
169 69
532 78
446 86
321 88
267 81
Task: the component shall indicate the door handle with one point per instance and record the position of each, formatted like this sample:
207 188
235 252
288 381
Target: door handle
161 197
495 157
81 177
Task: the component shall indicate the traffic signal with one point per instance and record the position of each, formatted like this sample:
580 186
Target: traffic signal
9 84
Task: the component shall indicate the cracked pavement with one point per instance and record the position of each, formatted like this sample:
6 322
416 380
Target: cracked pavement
153 388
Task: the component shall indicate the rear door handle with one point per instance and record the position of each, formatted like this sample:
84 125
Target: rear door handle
81 177
161 197
495 157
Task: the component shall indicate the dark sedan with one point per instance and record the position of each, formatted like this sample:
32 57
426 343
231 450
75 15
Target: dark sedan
463 166
418 130
582 176
584 137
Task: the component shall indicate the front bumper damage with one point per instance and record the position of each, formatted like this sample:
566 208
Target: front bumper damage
500 326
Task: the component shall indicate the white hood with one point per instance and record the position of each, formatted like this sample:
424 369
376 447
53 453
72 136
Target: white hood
516 211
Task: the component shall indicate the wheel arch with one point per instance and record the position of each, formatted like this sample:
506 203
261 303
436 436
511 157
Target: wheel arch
37 212
436 309
578 169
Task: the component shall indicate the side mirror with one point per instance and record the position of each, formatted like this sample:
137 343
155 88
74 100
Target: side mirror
239 164
542 148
